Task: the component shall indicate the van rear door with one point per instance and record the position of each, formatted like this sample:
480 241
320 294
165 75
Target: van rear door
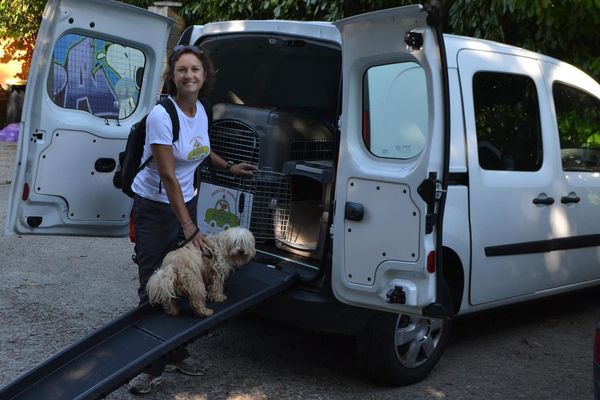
95 72
391 159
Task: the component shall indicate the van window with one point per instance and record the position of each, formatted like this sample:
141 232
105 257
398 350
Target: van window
94 75
395 110
288 73
578 120
507 120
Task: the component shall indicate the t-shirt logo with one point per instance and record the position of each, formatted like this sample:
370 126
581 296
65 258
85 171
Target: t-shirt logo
198 151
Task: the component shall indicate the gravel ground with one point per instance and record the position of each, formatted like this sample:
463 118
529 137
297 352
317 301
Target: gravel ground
7 160
54 290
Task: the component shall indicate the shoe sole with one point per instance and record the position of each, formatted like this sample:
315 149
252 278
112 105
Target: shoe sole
153 383
174 368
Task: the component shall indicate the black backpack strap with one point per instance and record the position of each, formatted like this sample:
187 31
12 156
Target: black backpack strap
172 111
207 161
209 111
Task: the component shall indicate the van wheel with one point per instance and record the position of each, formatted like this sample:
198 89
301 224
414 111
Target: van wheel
401 349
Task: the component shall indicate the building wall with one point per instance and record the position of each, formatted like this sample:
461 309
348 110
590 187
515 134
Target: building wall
170 9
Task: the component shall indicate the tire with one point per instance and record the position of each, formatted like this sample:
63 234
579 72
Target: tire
401 349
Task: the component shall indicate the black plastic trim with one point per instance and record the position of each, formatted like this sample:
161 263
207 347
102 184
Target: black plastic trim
458 179
544 246
186 36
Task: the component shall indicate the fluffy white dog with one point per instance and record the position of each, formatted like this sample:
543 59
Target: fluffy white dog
187 272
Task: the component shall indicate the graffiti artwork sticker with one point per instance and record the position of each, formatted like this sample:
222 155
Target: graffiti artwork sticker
96 76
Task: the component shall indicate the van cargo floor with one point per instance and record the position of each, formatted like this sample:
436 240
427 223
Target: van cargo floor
104 360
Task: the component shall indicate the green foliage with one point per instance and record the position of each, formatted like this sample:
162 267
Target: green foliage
19 22
200 12
565 29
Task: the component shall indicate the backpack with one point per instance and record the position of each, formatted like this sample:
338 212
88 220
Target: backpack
130 160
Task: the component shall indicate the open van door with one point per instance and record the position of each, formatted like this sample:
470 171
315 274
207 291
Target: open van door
95 71
392 160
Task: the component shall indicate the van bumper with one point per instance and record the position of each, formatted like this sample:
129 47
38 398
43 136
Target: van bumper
311 309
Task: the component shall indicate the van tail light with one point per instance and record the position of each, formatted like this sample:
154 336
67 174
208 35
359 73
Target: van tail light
597 345
25 194
431 262
366 133
131 229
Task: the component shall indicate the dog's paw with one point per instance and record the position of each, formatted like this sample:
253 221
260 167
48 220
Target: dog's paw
203 312
171 310
218 297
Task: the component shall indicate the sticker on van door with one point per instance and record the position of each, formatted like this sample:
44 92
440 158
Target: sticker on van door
95 75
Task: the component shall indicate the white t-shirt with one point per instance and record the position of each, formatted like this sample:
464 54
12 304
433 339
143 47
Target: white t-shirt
189 151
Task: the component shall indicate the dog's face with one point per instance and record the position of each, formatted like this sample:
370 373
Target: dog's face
239 245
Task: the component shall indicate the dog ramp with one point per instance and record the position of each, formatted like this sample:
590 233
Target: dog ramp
113 354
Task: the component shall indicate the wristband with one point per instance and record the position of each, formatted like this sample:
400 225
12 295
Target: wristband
229 165
186 241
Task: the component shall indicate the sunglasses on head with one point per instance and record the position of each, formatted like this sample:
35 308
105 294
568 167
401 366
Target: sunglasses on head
185 47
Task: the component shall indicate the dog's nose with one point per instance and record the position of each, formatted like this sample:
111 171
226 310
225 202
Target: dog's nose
241 252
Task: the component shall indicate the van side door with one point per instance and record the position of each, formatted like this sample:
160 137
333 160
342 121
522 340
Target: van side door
391 148
95 71
575 113
522 242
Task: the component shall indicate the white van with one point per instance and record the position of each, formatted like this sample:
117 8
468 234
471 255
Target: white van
406 176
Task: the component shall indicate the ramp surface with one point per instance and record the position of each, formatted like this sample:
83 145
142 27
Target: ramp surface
104 360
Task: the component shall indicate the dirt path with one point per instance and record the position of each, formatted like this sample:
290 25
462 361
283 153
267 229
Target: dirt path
54 290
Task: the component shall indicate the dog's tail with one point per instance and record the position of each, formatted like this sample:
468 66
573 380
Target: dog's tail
161 285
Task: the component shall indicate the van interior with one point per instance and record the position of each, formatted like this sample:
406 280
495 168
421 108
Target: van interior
275 104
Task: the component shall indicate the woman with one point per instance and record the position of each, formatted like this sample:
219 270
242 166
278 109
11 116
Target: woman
164 207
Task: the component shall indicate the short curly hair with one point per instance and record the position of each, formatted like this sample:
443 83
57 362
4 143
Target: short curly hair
207 64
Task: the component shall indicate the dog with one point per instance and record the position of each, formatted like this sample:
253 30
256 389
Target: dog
187 272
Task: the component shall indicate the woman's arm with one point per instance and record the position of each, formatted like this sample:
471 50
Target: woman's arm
163 154
236 169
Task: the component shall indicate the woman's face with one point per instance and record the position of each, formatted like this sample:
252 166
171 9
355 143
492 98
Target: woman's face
188 74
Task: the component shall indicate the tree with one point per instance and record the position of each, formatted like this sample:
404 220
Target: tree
565 29
204 11
19 22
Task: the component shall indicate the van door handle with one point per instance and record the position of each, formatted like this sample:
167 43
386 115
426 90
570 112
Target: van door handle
105 165
543 200
571 198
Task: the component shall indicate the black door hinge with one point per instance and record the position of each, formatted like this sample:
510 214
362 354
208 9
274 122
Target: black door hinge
430 191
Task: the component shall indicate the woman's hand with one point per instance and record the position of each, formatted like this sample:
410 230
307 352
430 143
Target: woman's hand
243 169
195 237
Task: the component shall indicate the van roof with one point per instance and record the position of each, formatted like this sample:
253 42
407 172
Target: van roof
308 29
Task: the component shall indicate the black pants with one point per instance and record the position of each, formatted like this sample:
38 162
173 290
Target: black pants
157 231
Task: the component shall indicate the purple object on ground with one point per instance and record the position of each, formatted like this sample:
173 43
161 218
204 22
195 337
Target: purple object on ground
10 133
